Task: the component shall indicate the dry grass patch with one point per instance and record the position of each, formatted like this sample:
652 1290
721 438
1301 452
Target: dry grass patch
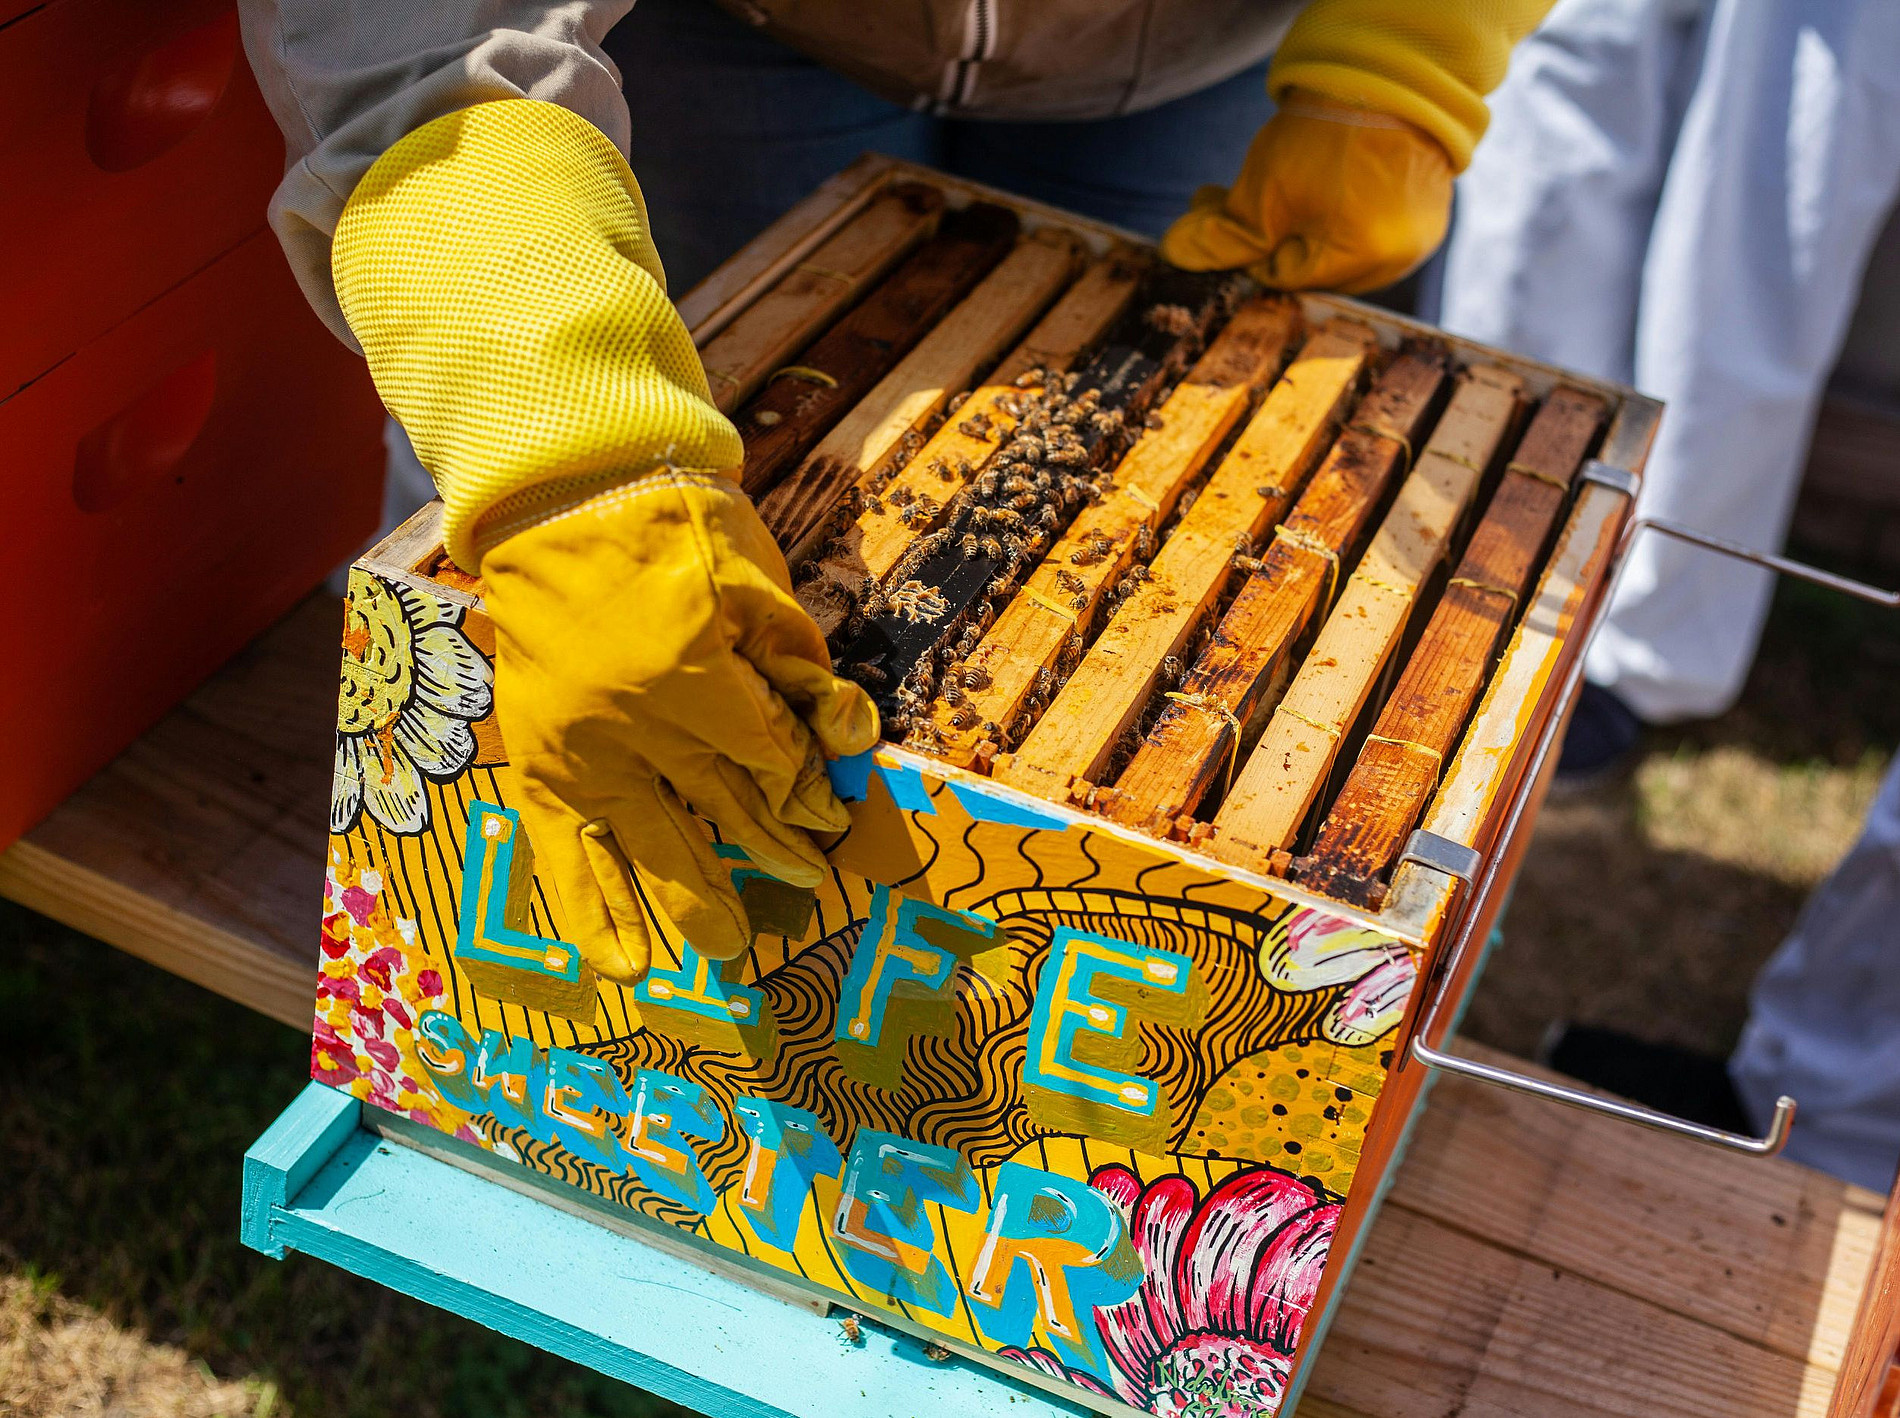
59 1359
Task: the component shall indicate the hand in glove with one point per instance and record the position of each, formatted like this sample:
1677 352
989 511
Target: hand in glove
496 267
1349 185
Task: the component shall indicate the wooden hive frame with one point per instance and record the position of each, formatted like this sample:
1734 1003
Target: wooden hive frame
1315 402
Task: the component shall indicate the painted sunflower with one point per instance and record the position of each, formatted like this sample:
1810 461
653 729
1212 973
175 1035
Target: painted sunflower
412 685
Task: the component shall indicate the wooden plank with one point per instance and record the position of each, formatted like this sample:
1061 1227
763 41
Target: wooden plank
800 404
877 538
1474 1330
1251 489
1480 772
1762 1249
1196 741
1399 765
1870 1368
965 570
737 281
887 424
1060 597
785 318
201 847
1287 769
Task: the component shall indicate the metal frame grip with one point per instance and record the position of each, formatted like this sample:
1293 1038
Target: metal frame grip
1427 1044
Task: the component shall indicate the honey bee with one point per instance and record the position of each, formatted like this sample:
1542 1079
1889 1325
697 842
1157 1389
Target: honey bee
1068 580
971 546
1145 542
952 693
964 718
1247 564
992 548
975 677
853 1331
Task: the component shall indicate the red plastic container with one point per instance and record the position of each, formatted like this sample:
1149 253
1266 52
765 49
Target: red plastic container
135 149
169 490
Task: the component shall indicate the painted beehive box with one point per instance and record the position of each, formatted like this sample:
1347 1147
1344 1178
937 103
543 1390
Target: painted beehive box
1091 1079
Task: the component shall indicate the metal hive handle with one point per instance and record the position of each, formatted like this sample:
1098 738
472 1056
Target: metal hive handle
1426 1045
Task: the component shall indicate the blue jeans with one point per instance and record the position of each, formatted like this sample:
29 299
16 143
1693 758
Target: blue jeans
731 127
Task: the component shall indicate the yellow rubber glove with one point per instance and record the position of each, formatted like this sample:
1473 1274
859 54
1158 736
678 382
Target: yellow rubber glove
496 266
1349 185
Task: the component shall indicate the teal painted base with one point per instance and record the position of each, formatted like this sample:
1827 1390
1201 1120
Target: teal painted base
320 1183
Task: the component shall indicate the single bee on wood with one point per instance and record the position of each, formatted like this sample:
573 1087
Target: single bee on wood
964 717
956 402
1145 541
976 426
1068 580
952 692
1247 564
975 677
1171 669
872 503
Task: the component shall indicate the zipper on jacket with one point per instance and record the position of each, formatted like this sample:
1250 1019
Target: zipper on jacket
979 43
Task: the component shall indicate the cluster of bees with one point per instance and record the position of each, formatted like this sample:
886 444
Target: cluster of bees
1046 468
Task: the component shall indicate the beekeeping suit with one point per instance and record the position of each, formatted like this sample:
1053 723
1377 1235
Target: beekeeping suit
1682 195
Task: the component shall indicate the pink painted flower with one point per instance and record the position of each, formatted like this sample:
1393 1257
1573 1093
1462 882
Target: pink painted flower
1228 1280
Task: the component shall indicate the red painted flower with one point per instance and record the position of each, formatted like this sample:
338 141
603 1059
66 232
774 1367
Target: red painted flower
1227 1284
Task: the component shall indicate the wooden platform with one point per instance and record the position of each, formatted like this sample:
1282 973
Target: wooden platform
1525 1264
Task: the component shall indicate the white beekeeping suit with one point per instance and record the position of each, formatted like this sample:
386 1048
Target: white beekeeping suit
1824 1024
1682 195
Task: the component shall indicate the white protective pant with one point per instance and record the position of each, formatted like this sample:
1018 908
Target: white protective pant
1682 195
1824 1023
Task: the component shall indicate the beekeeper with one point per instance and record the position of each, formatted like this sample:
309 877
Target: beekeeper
1683 195
461 207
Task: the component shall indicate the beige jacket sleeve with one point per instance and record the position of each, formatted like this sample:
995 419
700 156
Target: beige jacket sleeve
347 78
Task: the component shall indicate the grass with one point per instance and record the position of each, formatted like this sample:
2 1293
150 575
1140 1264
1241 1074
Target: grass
128 1097
126 1103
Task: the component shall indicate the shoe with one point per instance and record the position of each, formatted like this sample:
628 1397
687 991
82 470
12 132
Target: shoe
1602 740
1672 1080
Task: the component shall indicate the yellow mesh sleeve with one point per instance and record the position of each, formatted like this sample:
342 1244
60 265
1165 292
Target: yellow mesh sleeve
1430 62
496 267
